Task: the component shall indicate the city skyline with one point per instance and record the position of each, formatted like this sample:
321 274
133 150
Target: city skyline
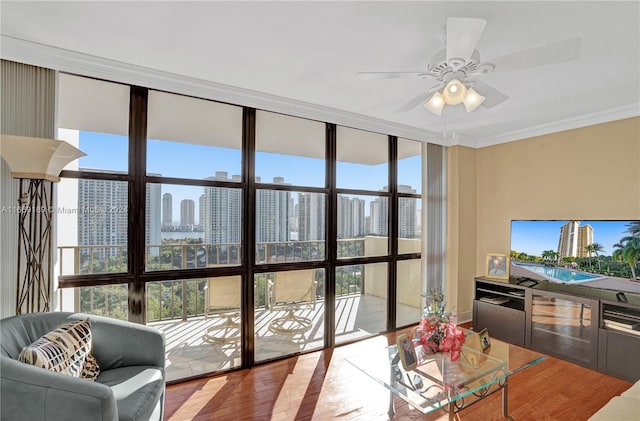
110 152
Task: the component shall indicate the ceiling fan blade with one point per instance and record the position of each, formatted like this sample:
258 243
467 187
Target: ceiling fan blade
556 52
462 37
392 75
492 96
419 99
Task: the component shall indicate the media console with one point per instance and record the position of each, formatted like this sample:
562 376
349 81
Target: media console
587 326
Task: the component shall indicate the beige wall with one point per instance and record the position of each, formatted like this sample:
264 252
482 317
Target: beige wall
586 173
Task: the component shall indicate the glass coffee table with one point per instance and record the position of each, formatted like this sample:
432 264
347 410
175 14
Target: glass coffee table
438 383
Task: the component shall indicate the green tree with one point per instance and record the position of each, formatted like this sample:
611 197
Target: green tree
628 251
597 248
633 228
589 249
549 256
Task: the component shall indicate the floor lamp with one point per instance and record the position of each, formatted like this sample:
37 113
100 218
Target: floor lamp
37 163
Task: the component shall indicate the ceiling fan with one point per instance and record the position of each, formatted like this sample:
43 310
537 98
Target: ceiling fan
456 66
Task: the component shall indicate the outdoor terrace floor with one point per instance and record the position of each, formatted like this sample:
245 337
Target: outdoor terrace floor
190 353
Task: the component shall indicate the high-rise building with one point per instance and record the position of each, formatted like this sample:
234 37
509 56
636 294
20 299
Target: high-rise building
573 239
311 216
585 238
98 221
272 214
351 217
103 213
379 211
152 214
201 212
568 241
407 222
167 210
187 212
221 212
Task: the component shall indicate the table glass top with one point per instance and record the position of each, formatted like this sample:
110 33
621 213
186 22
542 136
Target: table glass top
437 381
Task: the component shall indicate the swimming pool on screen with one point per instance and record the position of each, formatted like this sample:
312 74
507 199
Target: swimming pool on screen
560 274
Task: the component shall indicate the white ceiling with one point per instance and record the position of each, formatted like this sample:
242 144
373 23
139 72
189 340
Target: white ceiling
301 58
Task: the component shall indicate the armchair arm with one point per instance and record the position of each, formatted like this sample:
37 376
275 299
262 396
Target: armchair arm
118 343
34 394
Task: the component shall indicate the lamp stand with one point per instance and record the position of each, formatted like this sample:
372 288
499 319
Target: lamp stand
35 258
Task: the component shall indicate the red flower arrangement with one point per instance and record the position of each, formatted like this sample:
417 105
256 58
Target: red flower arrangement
437 331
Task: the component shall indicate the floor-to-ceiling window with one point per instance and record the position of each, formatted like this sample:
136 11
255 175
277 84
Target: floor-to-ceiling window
92 199
290 235
363 212
244 235
193 231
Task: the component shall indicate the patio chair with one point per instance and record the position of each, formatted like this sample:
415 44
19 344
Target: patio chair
222 299
291 290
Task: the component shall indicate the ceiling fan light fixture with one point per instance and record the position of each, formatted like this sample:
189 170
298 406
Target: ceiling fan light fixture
435 103
455 92
472 100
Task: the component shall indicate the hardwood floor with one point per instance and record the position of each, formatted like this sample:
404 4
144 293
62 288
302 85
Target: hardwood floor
323 386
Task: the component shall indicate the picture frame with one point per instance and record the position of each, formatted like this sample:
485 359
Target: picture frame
497 266
407 352
485 340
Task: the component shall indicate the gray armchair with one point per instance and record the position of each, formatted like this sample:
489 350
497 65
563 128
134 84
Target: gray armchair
130 386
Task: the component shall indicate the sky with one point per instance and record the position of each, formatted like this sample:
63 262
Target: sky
532 237
176 159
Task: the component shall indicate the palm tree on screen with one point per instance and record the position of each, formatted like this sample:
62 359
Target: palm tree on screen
589 249
549 256
633 228
628 251
596 248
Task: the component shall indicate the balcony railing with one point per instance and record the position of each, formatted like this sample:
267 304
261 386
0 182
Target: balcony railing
165 300
83 260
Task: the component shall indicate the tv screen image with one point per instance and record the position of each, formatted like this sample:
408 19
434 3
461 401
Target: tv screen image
598 253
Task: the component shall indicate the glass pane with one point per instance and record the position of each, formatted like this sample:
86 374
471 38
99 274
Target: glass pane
201 319
204 230
409 166
362 160
409 298
562 327
289 312
363 223
192 138
92 226
290 226
409 225
361 301
289 148
103 300
94 117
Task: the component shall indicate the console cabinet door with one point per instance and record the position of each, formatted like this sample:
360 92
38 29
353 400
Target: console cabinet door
503 323
563 326
618 355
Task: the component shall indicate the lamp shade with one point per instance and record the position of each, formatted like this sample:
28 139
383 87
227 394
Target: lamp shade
435 104
454 92
37 158
472 100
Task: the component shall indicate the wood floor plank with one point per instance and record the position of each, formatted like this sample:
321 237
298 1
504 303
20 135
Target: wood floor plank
323 386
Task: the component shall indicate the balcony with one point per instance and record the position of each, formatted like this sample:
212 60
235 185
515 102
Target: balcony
177 307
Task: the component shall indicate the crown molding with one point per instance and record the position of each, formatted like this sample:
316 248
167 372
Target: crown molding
613 114
74 62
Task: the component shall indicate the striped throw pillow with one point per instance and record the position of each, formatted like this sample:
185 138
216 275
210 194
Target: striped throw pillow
66 350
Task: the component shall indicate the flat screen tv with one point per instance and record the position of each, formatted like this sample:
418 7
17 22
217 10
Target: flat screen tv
589 253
